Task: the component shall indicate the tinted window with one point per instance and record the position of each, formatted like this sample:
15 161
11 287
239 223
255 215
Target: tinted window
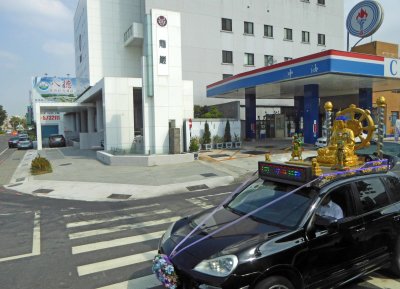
394 187
372 194
287 211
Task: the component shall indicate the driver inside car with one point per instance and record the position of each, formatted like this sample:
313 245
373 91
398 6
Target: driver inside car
329 208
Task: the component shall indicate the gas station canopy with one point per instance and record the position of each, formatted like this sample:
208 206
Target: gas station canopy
335 72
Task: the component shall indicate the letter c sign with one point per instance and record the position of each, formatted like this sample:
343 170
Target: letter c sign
393 67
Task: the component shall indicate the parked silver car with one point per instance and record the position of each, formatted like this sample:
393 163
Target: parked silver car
24 143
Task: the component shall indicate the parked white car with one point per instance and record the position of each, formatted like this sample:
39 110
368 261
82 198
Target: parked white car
321 142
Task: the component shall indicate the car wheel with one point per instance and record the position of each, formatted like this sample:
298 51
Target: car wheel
275 282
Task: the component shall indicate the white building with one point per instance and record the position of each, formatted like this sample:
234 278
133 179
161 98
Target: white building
141 64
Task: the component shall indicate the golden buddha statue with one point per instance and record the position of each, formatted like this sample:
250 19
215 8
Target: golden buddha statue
340 150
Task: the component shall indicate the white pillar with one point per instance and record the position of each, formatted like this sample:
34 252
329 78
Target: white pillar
99 115
90 119
38 128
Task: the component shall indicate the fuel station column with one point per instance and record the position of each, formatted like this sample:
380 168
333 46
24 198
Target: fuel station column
311 113
250 105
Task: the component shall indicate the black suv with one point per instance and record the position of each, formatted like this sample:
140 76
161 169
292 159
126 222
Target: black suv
270 234
56 140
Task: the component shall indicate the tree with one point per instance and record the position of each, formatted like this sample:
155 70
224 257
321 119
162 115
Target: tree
207 134
207 112
3 115
17 121
227 135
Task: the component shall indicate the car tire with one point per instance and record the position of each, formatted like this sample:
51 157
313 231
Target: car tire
274 282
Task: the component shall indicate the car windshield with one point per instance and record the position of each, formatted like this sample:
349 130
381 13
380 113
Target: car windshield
287 212
389 148
56 137
23 139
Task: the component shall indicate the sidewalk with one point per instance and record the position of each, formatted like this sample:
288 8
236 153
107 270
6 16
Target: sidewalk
78 175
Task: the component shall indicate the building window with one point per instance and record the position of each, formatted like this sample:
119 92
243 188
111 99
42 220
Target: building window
226 75
249 59
268 60
287 58
305 36
321 39
226 24
248 28
227 56
321 2
288 34
268 31
394 117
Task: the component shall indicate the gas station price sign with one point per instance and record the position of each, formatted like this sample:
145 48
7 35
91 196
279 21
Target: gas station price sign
292 174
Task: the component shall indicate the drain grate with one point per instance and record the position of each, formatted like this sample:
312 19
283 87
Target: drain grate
218 156
14 185
207 175
20 179
199 187
119 196
42 191
254 152
66 164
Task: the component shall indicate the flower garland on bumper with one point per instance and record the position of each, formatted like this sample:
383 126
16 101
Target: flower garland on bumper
165 272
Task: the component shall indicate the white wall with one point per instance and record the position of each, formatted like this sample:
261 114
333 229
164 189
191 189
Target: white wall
118 111
203 40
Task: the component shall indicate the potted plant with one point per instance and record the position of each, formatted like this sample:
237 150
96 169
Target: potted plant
227 136
237 141
207 137
218 141
194 147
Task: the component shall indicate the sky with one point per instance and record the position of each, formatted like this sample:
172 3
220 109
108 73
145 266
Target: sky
37 37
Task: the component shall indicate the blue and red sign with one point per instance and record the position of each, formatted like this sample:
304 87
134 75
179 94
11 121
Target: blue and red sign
364 19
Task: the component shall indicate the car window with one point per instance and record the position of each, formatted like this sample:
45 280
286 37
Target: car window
341 197
287 212
394 187
372 194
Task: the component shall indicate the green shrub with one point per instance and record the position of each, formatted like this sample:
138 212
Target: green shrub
227 135
207 134
40 166
194 144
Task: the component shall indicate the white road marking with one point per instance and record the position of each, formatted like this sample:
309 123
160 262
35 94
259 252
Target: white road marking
115 263
35 241
121 228
111 211
382 281
116 242
131 216
18 213
3 151
199 203
148 281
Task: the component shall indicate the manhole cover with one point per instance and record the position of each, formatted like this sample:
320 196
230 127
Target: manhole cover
14 185
265 147
254 152
199 187
119 196
218 156
67 164
20 179
42 191
207 175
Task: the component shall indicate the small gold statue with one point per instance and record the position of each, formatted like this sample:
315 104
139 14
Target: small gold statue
341 143
267 156
297 148
316 169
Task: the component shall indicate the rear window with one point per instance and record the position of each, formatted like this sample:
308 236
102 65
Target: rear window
394 187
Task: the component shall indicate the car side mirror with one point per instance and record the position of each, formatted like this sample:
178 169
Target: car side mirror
329 223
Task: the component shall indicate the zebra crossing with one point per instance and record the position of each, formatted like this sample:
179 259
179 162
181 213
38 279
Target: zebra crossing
137 224
92 234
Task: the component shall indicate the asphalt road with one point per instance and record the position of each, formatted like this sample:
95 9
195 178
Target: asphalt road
47 243
9 160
